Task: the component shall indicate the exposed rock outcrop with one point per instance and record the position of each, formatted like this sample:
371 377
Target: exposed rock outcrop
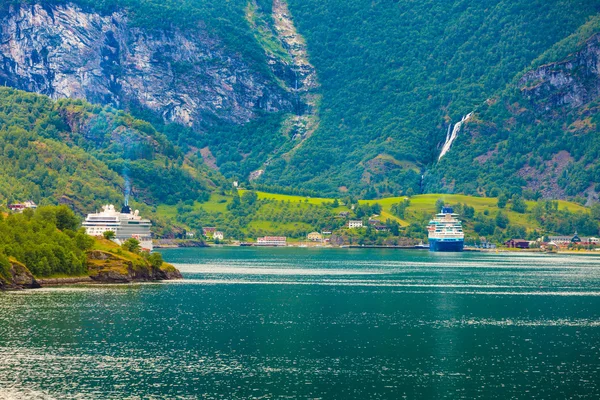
103 267
185 76
570 83
288 58
112 268
19 277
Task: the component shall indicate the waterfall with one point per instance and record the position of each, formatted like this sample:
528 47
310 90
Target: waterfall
451 137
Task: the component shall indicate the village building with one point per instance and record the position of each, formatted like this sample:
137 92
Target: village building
314 236
381 228
19 207
352 224
271 241
485 244
189 235
344 214
209 232
564 241
218 235
517 244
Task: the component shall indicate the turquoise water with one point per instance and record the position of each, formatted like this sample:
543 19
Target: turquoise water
315 323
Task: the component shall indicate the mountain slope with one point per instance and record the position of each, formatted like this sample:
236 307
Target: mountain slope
541 134
394 75
75 153
314 95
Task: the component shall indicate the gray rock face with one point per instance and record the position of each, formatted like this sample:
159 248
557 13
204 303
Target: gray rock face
19 277
186 77
571 83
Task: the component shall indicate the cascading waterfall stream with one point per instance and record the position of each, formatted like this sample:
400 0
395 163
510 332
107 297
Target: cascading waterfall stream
450 138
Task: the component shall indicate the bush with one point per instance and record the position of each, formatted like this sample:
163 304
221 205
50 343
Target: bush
132 245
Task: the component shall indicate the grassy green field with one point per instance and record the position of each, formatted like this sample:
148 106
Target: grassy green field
216 203
421 207
291 198
270 225
425 203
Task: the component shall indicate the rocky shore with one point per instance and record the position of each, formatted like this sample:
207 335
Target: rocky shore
103 267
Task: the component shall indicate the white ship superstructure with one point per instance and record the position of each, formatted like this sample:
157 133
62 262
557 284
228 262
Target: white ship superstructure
445 232
125 224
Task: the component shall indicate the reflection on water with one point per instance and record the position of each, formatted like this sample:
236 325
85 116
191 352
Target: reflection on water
308 323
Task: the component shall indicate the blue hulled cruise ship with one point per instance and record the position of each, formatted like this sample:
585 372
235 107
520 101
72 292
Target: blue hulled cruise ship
445 232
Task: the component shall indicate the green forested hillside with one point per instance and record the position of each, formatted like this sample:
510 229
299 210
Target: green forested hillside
78 154
393 76
395 73
48 242
540 137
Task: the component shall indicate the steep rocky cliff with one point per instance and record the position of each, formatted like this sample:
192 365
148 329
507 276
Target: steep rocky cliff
186 76
571 83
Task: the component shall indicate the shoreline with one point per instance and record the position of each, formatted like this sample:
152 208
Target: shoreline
178 243
64 281
309 245
42 283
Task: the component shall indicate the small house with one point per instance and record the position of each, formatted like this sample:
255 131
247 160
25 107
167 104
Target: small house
381 228
209 232
517 244
314 237
218 235
352 224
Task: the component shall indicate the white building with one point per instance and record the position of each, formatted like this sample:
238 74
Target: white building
271 241
567 240
218 235
125 224
355 224
19 207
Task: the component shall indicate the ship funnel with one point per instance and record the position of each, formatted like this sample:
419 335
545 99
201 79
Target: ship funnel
447 210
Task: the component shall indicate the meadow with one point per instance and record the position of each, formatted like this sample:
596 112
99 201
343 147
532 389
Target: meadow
294 216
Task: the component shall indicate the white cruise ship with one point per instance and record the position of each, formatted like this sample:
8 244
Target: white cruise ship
445 232
125 224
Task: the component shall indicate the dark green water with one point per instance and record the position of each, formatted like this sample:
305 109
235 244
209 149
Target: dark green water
306 323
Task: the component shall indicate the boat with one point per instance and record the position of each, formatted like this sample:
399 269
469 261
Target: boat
125 224
445 232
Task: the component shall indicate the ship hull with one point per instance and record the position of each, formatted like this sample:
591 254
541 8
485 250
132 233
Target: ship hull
446 245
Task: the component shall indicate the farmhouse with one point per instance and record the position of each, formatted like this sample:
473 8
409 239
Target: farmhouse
314 236
517 243
218 235
355 224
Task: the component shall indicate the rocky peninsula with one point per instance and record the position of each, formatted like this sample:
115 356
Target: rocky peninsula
106 263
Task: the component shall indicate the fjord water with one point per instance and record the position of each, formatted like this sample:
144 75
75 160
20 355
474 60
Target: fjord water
315 323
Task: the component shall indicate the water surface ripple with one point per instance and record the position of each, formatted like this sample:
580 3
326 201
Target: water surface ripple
314 323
